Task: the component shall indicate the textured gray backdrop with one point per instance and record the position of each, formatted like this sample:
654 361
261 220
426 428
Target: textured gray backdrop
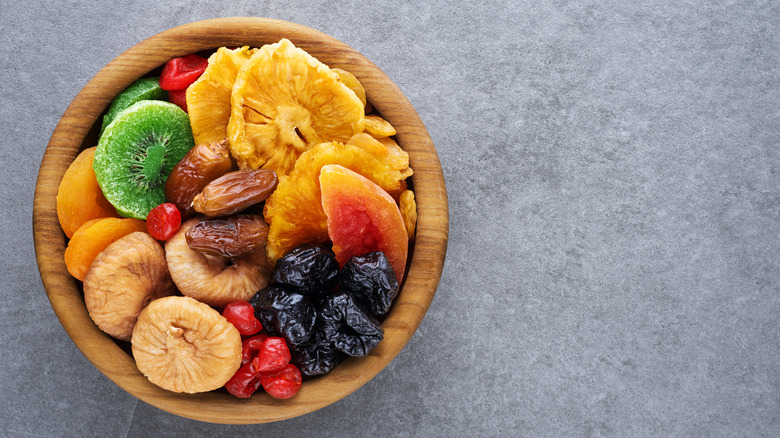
612 170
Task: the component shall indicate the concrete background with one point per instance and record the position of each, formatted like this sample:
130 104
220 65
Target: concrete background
612 171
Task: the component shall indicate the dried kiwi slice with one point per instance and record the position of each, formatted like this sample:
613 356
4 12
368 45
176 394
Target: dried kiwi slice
137 152
142 89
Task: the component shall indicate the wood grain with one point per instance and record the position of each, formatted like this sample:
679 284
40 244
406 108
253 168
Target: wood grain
76 131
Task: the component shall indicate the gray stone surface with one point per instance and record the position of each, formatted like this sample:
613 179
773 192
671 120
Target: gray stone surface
612 171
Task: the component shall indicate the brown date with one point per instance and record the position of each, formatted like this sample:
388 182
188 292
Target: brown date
235 191
232 236
202 164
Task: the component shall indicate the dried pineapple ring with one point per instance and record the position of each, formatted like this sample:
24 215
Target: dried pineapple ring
408 207
386 149
353 83
378 127
208 98
294 210
284 102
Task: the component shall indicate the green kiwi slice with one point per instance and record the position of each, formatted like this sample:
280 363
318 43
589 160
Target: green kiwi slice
137 152
142 89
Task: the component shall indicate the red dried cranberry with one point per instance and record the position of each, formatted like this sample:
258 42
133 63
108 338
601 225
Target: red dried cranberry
282 384
179 73
244 382
273 355
242 315
179 97
250 348
163 221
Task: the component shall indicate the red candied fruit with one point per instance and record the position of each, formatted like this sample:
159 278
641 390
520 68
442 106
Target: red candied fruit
179 73
244 382
273 355
242 315
163 221
179 97
282 384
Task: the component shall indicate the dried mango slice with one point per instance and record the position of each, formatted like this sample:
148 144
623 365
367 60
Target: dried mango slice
208 98
294 211
284 102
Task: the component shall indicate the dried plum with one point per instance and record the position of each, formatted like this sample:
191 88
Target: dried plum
348 326
371 280
285 313
316 358
307 269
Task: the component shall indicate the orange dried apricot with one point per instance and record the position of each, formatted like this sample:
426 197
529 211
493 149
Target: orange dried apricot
92 238
79 198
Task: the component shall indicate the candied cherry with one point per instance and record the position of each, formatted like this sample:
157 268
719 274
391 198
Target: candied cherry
178 97
163 221
273 355
284 383
250 347
179 73
244 382
242 315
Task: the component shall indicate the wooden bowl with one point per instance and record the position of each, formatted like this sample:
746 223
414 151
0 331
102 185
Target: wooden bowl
76 131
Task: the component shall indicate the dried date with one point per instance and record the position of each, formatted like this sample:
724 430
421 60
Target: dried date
231 236
202 164
235 192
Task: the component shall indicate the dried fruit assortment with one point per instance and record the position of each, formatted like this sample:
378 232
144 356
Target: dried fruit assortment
243 221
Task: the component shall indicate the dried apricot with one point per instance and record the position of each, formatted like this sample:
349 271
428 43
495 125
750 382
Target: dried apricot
79 198
362 218
92 238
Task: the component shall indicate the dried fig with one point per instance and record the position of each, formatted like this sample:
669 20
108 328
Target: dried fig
214 280
182 345
123 279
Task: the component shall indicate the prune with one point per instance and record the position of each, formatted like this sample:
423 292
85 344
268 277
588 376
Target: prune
351 329
371 280
286 314
316 358
307 269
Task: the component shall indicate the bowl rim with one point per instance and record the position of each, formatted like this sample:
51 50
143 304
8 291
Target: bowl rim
71 134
